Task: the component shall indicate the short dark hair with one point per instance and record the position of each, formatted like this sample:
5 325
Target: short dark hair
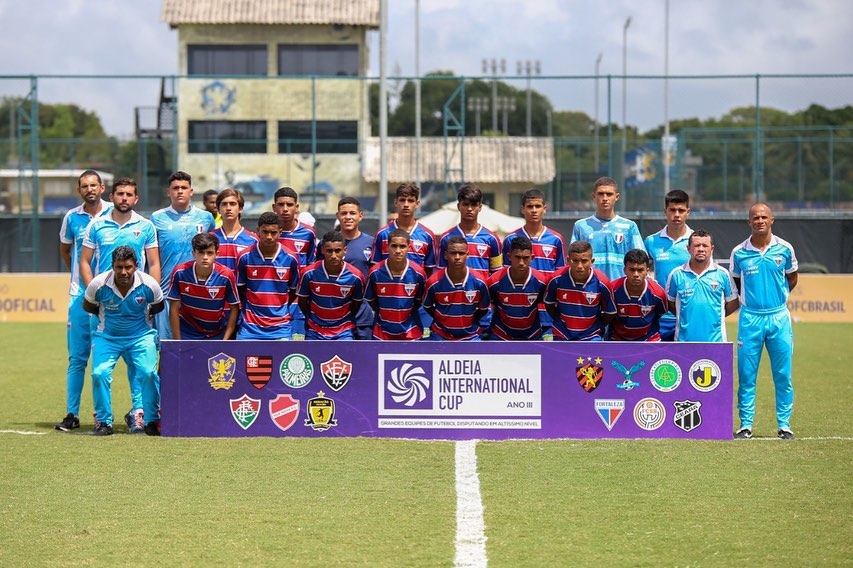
124 181
407 190
208 193
349 200
286 192
676 196
398 232
469 193
204 241
268 218
89 173
181 175
604 181
533 193
636 256
333 237
580 247
457 240
699 233
124 252
520 243
241 201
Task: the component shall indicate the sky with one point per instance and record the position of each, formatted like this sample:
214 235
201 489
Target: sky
707 37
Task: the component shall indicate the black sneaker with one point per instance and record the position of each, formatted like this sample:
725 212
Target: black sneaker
743 434
785 434
103 429
153 428
70 422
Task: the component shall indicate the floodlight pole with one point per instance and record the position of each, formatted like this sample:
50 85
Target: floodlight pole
383 112
624 100
665 145
597 69
417 94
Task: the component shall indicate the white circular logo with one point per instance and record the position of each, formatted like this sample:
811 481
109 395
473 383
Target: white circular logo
704 375
665 375
296 370
649 414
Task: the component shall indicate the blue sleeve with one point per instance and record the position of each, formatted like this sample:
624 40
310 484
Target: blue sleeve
577 234
442 247
507 242
637 238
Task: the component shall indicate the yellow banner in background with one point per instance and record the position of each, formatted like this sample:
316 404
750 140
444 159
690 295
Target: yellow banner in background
34 297
822 298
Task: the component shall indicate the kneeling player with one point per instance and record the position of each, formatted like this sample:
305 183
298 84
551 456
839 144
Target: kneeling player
516 291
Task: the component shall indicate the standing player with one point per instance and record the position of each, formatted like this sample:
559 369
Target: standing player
124 299
297 238
330 292
640 301
122 226
200 293
548 247
233 237
610 235
668 248
176 225
701 293
267 277
421 239
395 289
484 247
456 297
359 249
765 270
516 292
211 205
90 187
579 298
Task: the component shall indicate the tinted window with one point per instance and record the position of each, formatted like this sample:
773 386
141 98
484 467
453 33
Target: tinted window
227 137
299 59
333 137
226 60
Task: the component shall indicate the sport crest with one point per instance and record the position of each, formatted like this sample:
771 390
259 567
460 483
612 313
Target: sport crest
589 374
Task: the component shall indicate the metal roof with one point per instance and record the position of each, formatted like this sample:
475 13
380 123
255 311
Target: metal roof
274 12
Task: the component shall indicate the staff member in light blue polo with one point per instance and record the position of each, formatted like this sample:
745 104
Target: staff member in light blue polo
701 293
124 299
765 270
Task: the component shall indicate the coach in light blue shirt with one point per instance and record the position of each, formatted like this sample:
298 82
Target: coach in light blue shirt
701 293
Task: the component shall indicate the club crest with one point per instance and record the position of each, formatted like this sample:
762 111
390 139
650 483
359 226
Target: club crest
245 410
649 414
481 249
470 295
345 290
589 373
336 372
280 272
619 238
547 250
367 252
687 415
321 413
284 410
139 300
531 299
213 291
259 370
409 289
645 310
628 383
199 229
299 246
609 411
221 369
591 298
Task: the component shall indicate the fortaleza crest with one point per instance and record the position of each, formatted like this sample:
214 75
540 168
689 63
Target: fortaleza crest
336 372
296 370
687 415
221 369
245 410
321 413
259 370
609 411
284 410
589 373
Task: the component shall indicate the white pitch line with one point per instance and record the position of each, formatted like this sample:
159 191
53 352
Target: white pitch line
22 432
811 438
470 527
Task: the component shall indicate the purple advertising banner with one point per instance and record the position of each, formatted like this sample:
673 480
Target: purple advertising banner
490 390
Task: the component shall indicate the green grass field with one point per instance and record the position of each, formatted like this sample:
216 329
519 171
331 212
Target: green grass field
72 499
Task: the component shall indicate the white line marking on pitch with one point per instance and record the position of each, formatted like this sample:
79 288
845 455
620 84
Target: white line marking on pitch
22 432
818 438
470 527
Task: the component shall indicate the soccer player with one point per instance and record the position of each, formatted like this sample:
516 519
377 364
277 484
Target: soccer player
78 332
610 235
267 276
395 289
330 292
764 268
211 205
233 237
421 239
668 248
456 297
516 292
484 247
701 293
124 298
359 247
297 238
199 293
176 225
579 298
640 301
548 246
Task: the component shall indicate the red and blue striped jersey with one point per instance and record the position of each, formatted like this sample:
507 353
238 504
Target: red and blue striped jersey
267 283
456 305
484 249
548 250
203 304
579 306
331 298
397 300
421 245
515 307
637 319
232 247
301 242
